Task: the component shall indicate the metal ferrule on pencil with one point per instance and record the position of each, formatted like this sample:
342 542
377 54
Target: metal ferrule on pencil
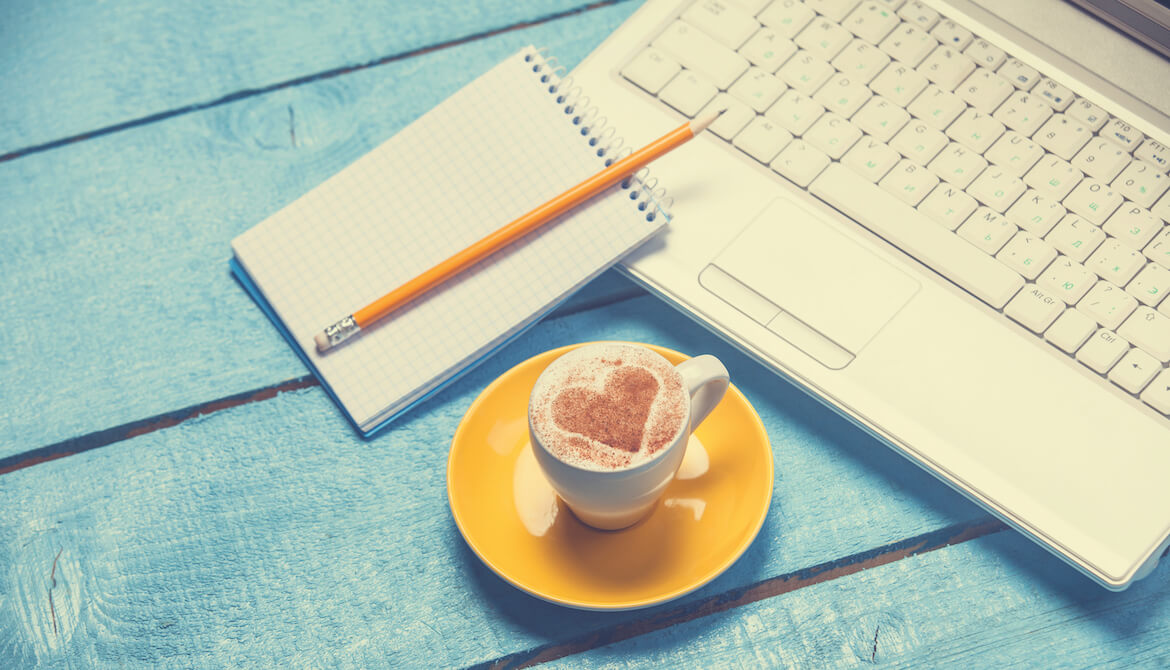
342 331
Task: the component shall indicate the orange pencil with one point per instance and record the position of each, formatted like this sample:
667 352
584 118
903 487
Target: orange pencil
380 308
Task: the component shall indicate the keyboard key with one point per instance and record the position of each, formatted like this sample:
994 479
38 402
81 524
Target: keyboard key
835 10
996 189
1058 96
958 165
1023 112
1134 371
734 117
1014 153
1102 351
752 7
919 142
688 92
919 14
1022 76
795 111
937 107
863 61
800 162
1089 114
786 17
1034 309
695 50
909 44
870 158
757 88
768 50
1075 237
843 95
1142 183
1154 153
985 90
1053 177
888 216
1107 304
833 135
1027 254
1094 201
1158 250
946 67
651 70
1070 331
1101 159
823 38
728 24
1161 209
1150 285
1116 262
1149 331
1157 394
805 72
976 130
1063 135
952 34
985 54
949 206
908 182
1067 279
1036 213
762 139
900 83
1134 226
871 21
987 230
881 118
1122 134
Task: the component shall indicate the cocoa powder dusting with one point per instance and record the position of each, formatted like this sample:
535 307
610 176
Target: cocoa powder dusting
616 417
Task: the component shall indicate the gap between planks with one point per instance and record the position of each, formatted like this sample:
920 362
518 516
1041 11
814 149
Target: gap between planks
125 431
745 595
298 81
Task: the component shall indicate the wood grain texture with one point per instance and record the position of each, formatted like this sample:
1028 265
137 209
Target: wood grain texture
72 68
994 602
115 253
269 532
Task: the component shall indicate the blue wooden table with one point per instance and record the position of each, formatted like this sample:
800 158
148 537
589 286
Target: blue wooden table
176 492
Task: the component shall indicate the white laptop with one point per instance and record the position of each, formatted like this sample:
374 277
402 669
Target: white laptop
947 223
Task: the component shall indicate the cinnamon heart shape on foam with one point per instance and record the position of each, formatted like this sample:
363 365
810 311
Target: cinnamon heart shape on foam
616 416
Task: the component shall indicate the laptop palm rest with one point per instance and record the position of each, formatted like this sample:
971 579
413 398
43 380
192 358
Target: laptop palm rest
793 273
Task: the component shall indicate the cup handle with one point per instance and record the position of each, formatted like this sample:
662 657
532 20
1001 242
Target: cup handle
706 379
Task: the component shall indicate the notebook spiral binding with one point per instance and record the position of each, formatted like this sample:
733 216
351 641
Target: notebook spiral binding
642 186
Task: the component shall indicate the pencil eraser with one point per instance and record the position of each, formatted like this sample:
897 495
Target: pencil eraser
322 341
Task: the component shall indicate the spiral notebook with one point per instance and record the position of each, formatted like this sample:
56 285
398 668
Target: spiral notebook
512 139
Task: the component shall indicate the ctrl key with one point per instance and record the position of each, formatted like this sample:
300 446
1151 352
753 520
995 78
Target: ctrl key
1103 350
1157 394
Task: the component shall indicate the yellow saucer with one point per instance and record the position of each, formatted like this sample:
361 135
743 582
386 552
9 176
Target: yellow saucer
511 519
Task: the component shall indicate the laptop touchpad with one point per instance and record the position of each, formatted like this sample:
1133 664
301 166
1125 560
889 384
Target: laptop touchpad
794 273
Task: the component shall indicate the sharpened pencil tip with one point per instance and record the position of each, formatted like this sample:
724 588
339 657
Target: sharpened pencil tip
700 123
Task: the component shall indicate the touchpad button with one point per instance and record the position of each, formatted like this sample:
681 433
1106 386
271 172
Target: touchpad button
794 258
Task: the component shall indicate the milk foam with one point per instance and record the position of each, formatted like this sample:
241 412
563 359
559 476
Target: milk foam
591 368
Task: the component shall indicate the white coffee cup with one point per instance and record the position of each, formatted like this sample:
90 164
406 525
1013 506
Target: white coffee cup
618 498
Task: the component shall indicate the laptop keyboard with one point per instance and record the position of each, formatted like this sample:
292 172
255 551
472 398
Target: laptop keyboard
998 177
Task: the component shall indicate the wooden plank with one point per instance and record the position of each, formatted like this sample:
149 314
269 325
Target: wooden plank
115 253
71 71
995 602
269 533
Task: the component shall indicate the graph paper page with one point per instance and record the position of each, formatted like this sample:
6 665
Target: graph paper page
491 152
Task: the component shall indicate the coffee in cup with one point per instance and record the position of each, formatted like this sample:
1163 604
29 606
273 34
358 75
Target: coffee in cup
609 424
